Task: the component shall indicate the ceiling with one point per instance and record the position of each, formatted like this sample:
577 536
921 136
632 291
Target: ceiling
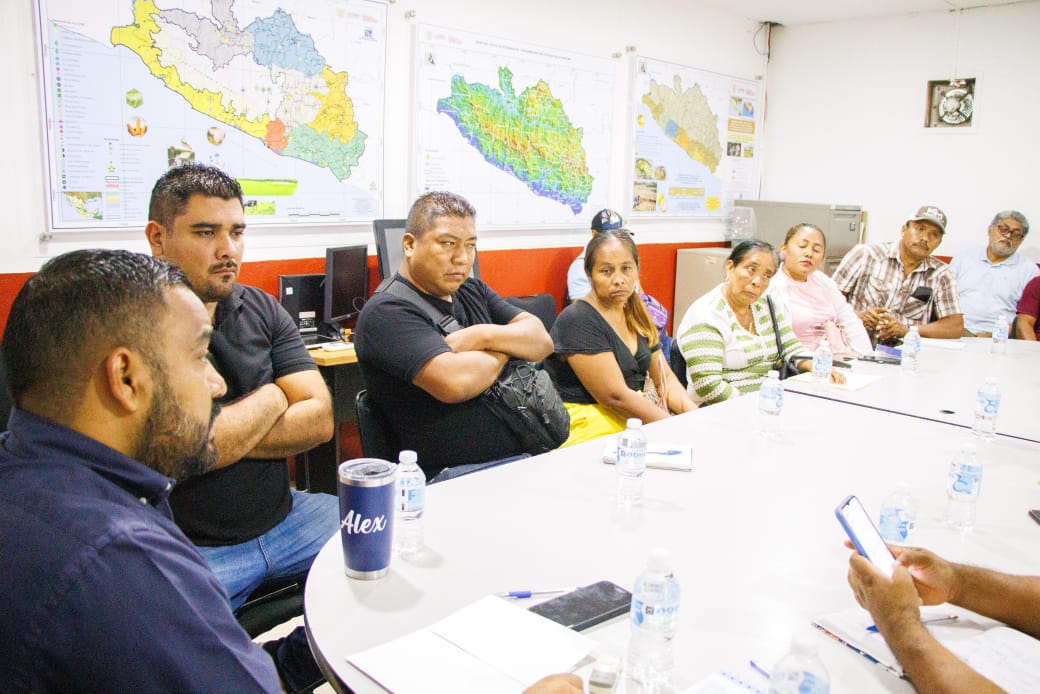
792 12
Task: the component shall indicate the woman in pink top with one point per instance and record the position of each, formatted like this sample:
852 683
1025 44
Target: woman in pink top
816 307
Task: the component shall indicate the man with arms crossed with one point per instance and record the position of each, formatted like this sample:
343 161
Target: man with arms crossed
894 285
426 382
991 278
104 593
922 578
248 524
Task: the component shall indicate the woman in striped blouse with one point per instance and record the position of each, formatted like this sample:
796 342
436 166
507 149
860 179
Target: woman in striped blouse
727 336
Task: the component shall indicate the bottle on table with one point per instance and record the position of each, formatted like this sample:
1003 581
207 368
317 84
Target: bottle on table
987 405
770 403
1000 333
822 364
911 349
631 462
962 488
409 504
653 619
800 671
898 514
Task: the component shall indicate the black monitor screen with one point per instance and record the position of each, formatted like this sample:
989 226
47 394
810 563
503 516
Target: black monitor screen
346 284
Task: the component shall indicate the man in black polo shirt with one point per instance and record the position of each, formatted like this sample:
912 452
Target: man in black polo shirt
426 382
248 524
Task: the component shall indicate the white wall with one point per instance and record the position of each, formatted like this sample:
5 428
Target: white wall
845 113
679 32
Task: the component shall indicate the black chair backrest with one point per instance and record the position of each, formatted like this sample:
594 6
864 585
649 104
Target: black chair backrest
541 305
378 439
677 361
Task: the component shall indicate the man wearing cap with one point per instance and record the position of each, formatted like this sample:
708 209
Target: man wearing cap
894 285
991 278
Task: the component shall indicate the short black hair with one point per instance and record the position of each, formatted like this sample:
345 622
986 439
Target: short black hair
171 192
429 207
73 311
748 246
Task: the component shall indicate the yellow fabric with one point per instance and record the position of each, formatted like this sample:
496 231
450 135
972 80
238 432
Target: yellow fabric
591 422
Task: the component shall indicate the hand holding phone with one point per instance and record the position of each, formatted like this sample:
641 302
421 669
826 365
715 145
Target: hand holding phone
864 534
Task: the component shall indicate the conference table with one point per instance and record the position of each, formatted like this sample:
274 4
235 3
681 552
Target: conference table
944 387
751 530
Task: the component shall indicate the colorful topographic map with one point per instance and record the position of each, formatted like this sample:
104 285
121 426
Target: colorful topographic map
687 120
528 135
298 106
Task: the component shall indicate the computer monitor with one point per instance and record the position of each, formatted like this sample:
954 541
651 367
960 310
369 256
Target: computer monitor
346 285
388 233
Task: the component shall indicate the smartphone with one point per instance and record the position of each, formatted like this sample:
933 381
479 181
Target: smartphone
864 534
586 606
1035 515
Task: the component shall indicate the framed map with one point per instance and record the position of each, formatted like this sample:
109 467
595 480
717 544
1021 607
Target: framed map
286 95
694 140
522 131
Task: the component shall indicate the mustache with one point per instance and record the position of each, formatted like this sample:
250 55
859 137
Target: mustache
226 265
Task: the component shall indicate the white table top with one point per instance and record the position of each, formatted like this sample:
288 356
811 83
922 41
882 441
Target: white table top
752 531
944 387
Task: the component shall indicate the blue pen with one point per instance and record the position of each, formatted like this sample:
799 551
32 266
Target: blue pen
518 594
670 451
927 620
759 669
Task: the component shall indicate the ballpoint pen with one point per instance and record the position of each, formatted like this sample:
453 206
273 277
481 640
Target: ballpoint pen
517 594
927 620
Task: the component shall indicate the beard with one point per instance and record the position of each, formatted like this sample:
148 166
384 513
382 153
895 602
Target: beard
173 442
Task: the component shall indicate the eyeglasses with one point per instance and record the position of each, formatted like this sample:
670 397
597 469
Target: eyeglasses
1013 234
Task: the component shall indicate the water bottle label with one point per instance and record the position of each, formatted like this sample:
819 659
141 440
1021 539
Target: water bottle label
411 499
988 405
811 684
964 480
656 617
822 364
1000 331
771 398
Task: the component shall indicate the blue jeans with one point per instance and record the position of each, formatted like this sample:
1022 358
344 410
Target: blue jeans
285 550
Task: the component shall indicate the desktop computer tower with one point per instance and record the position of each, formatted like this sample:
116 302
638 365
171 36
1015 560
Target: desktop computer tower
303 296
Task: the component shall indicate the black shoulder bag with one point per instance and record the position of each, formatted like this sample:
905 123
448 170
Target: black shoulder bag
786 367
522 396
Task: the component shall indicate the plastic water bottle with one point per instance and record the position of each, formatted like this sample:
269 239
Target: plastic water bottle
653 618
409 504
822 363
800 671
1000 333
962 487
898 514
770 403
911 349
631 462
987 404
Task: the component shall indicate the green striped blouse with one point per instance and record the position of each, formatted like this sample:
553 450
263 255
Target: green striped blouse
722 358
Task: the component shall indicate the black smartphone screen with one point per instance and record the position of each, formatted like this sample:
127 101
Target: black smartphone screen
1035 514
587 606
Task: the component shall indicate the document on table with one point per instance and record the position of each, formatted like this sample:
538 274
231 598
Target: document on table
853 380
663 456
489 646
1008 657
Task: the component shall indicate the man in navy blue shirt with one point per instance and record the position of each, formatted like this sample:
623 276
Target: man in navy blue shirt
106 354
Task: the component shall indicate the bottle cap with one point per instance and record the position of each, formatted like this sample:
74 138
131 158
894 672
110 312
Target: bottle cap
407 457
660 559
991 380
773 373
969 447
824 343
634 423
903 487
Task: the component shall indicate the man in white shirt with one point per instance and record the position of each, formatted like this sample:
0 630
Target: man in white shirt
990 279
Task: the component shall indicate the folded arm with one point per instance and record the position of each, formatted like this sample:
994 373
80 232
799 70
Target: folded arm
602 377
673 393
523 337
306 422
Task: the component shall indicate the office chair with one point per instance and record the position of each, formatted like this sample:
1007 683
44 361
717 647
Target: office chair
541 305
271 604
378 439
677 361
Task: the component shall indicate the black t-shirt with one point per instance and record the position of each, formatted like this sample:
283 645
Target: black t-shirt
394 340
254 342
580 329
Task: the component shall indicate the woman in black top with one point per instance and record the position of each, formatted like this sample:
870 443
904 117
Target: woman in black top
606 344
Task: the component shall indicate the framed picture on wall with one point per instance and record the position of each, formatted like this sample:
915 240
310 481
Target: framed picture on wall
950 103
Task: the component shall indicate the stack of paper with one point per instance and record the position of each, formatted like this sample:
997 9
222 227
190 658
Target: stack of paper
490 646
